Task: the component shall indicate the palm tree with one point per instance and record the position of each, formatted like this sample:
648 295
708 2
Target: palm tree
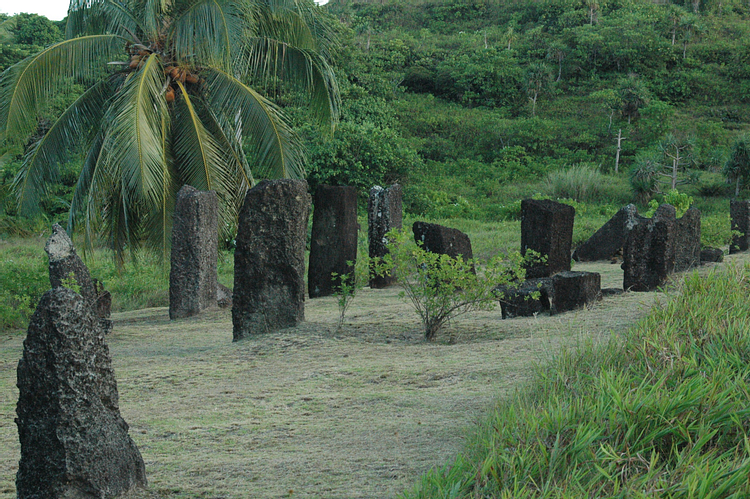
170 101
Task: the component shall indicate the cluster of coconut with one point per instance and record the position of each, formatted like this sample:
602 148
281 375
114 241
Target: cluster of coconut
139 54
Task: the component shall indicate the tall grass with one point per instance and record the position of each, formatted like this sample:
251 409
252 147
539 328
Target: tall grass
586 184
663 412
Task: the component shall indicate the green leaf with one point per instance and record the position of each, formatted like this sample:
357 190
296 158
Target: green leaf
26 86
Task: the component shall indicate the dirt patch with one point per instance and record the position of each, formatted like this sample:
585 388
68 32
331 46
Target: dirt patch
314 411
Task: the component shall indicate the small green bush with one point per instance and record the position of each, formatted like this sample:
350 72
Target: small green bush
716 230
441 287
679 200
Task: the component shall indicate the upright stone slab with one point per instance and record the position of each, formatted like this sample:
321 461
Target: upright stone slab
384 214
74 442
547 228
195 252
739 211
687 246
610 238
649 253
269 260
442 240
574 290
65 263
334 238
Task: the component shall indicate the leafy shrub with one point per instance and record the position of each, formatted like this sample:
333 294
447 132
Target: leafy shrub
716 230
679 200
362 156
347 285
440 287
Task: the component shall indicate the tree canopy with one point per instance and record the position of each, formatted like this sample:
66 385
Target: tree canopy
175 94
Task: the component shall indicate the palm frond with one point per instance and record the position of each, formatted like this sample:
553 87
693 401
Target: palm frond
230 141
199 155
238 174
134 147
323 27
153 12
121 220
277 147
89 190
158 222
272 60
207 32
73 128
93 17
27 86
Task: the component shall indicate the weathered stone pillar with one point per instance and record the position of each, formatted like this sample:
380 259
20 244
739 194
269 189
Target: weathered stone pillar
442 240
269 260
610 238
547 228
334 238
649 253
384 214
195 251
74 442
64 264
687 247
739 211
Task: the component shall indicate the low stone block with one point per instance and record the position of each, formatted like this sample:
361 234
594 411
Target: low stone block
195 252
334 238
739 212
610 238
574 290
547 228
384 213
649 254
269 259
714 255
687 244
442 240
521 302
74 442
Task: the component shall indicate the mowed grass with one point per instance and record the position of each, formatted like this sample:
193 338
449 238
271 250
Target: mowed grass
311 411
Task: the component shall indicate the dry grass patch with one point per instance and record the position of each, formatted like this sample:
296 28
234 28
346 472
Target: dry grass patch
314 411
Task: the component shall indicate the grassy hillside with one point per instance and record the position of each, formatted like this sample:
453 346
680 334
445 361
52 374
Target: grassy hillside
507 92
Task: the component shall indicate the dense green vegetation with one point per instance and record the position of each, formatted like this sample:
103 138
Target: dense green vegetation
660 413
492 96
